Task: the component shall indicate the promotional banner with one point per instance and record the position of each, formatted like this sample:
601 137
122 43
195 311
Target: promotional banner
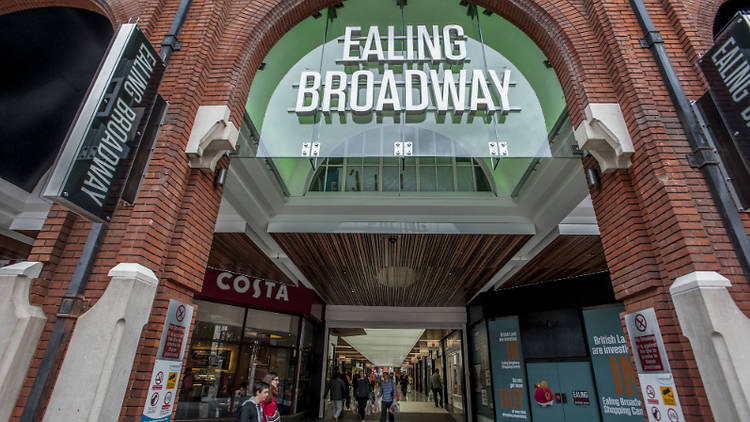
482 378
165 377
615 376
511 397
654 373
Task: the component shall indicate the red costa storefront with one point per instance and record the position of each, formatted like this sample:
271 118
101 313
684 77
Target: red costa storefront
245 328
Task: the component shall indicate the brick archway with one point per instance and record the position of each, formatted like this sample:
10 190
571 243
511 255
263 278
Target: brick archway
582 74
101 7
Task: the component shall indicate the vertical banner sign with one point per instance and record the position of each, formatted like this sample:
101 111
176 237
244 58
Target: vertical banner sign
481 379
165 378
92 167
509 379
657 384
615 376
727 69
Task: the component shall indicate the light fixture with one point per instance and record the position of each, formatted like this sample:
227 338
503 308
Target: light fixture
592 178
220 176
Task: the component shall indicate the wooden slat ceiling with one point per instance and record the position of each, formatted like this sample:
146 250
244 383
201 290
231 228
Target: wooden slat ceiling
445 269
345 350
566 256
237 253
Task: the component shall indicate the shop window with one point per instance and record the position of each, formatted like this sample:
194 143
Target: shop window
231 346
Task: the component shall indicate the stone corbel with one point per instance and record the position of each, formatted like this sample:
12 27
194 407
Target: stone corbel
21 326
605 134
212 135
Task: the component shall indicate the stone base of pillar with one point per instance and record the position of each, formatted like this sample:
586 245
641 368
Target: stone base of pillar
719 334
21 326
96 369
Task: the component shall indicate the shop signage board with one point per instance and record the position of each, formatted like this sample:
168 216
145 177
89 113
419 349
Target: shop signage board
619 399
91 168
654 374
240 289
508 375
727 69
165 377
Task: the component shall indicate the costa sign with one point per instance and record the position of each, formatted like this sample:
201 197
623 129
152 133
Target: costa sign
240 289
241 284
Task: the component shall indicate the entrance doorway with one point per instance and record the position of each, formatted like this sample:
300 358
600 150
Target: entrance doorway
422 370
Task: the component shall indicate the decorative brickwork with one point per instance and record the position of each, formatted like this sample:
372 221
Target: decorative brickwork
657 219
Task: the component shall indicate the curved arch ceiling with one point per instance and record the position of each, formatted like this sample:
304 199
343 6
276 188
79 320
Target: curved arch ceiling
499 34
297 50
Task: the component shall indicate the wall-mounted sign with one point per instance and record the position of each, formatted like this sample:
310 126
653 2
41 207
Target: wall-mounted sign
260 293
615 376
165 376
90 170
509 378
654 374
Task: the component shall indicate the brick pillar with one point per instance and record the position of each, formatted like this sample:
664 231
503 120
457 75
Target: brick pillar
657 219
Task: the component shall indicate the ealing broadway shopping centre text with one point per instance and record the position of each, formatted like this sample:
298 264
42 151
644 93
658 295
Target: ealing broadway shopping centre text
421 46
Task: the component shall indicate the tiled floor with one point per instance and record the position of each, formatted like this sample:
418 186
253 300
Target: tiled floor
415 408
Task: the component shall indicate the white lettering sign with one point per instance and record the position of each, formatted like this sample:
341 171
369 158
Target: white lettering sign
242 285
337 92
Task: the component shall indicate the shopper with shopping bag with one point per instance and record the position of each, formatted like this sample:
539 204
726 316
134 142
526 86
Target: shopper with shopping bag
389 395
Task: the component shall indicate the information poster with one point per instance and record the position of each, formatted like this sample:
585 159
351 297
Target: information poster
165 378
615 376
481 379
511 397
657 384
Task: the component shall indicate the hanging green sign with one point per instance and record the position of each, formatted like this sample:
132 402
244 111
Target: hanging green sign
509 379
614 374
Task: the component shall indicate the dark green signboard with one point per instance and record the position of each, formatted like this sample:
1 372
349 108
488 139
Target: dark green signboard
508 377
615 376
90 171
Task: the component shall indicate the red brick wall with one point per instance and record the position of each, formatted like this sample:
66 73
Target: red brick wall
657 219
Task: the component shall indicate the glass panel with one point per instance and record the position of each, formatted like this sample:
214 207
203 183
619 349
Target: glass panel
265 359
371 182
270 327
465 178
390 179
353 179
445 179
317 183
333 179
427 182
483 185
304 398
409 179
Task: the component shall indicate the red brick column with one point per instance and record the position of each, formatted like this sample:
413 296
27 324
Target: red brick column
657 219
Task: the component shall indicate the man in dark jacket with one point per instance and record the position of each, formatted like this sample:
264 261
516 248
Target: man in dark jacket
337 388
251 410
437 387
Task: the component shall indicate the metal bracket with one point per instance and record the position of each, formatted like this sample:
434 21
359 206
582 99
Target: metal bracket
172 42
651 38
73 307
702 157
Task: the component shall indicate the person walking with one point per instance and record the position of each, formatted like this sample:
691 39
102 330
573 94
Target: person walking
437 388
362 391
389 393
252 410
404 385
270 408
336 388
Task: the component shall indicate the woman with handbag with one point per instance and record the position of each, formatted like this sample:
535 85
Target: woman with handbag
270 409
